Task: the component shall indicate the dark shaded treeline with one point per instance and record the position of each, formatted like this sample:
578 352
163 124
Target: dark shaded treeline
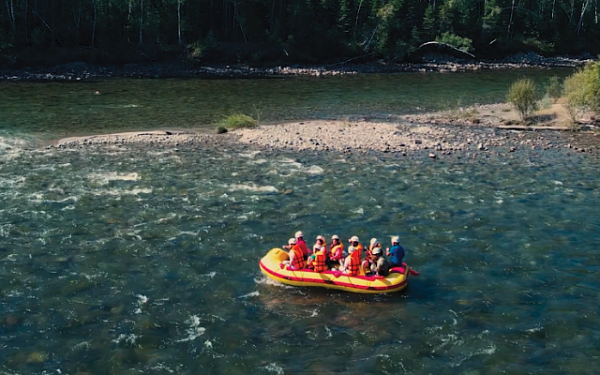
289 31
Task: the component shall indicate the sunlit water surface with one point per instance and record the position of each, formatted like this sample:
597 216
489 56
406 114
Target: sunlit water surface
127 260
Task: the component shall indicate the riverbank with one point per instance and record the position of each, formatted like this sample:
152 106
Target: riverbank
432 63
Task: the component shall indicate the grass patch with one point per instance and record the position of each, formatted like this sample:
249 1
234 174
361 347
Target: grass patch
466 114
238 121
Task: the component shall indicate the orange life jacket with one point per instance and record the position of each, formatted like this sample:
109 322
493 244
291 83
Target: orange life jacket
302 246
319 261
354 266
323 246
298 262
334 251
358 249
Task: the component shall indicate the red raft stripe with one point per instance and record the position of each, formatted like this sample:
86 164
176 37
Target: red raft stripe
340 283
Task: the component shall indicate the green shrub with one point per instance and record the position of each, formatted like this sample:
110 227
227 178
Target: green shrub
523 96
238 121
582 90
463 44
554 88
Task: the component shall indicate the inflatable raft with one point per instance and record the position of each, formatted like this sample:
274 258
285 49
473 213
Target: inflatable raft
272 267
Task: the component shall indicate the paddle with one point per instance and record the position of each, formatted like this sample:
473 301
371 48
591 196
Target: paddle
413 272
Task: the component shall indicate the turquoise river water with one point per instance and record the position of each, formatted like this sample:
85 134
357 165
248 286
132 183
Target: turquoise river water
133 259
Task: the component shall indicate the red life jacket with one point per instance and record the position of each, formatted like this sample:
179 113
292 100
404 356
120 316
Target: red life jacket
319 261
298 262
354 266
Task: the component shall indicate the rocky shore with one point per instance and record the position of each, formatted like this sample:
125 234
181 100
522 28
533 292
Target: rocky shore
432 63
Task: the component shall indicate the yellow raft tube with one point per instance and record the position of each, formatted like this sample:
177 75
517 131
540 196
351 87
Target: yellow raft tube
271 266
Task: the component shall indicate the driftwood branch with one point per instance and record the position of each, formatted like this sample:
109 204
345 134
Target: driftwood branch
347 61
46 24
446 45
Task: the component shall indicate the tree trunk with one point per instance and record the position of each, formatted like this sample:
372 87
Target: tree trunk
272 16
25 7
179 20
141 20
94 24
356 20
10 9
483 24
580 23
512 12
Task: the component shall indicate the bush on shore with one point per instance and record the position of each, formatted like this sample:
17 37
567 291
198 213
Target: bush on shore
524 97
582 90
238 121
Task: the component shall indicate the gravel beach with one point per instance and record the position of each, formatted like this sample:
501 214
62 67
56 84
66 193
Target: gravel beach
360 137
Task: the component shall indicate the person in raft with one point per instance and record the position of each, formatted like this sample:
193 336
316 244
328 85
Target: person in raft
321 244
357 246
318 260
336 252
380 266
351 265
396 253
300 241
296 261
370 258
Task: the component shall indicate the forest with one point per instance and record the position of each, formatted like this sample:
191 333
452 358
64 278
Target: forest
263 32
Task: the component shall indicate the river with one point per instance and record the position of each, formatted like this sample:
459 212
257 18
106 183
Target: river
134 259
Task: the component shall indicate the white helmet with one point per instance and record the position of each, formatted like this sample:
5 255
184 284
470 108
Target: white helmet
292 241
299 234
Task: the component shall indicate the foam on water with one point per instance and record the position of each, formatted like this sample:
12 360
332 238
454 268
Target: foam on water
250 154
12 182
106 177
194 331
161 368
489 350
251 294
314 169
11 148
266 281
5 229
274 368
253 188
121 192
126 338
